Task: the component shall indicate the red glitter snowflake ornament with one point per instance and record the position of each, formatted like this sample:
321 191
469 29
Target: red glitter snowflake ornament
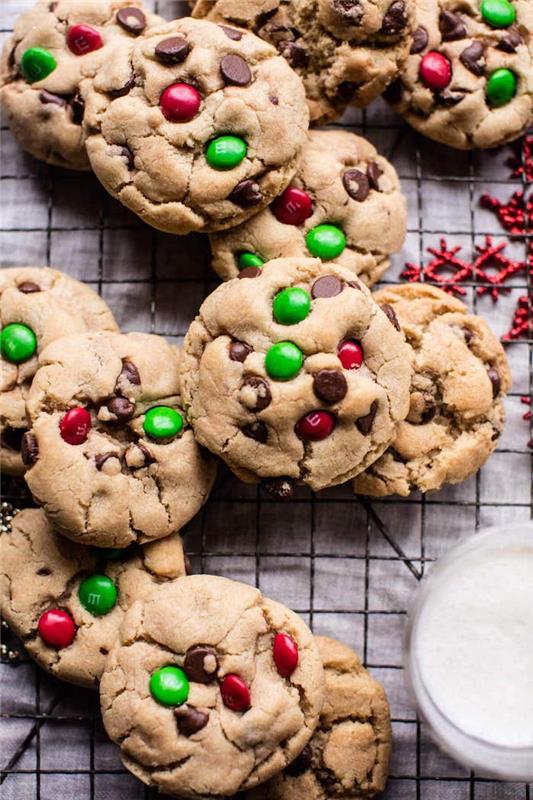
522 324
516 216
491 256
444 260
521 163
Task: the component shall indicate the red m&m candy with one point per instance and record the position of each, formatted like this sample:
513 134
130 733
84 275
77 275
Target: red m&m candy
292 207
350 354
235 693
75 426
285 652
315 426
82 39
435 70
180 102
56 628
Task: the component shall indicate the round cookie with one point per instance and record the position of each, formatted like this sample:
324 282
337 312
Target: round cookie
207 129
66 601
212 687
54 52
456 410
346 51
468 81
341 182
348 756
110 456
307 386
37 306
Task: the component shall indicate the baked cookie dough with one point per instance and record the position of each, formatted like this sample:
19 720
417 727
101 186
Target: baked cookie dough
66 601
468 81
456 414
54 52
344 202
306 386
110 456
207 129
348 756
37 306
212 687
346 51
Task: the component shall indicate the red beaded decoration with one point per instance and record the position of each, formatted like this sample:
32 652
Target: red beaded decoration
491 256
521 163
292 207
446 259
75 425
522 324
180 102
435 71
285 652
315 426
235 693
350 354
82 39
516 215
56 628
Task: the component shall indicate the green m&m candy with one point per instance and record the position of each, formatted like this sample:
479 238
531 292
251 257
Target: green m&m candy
97 594
245 260
36 64
283 361
501 87
325 242
17 342
498 13
169 686
225 152
162 422
291 305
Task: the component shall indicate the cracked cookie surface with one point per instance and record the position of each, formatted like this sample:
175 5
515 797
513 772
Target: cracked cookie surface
111 458
468 81
213 635
51 305
346 51
45 109
207 129
41 574
306 386
456 415
341 181
348 756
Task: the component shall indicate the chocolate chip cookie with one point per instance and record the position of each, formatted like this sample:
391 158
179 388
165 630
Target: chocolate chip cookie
343 203
110 455
346 51
348 756
66 601
468 81
54 52
306 386
37 306
212 687
456 409
195 126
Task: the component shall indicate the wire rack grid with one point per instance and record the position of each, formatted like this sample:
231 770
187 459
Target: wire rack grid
347 565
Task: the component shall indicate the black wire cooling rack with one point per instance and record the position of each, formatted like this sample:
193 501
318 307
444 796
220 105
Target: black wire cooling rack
347 565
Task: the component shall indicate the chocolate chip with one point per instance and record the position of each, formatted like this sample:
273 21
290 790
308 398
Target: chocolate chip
276 33
300 764
279 488
391 314
451 26
471 56
496 381
128 155
468 335
246 193
395 19
330 385
509 42
364 424
419 41
231 33
190 720
28 287
350 10
374 173
12 438
173 50
448 99
121 408
249 272
273 99
327 286
53 99
188 565
346 90
100 460
235 70
295 54
29 449
257 431
261 396
123 90
394 92
129 374
77 105
132 20
356 184
201 664
239 351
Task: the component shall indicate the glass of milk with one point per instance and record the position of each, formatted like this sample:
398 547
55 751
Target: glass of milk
469 652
